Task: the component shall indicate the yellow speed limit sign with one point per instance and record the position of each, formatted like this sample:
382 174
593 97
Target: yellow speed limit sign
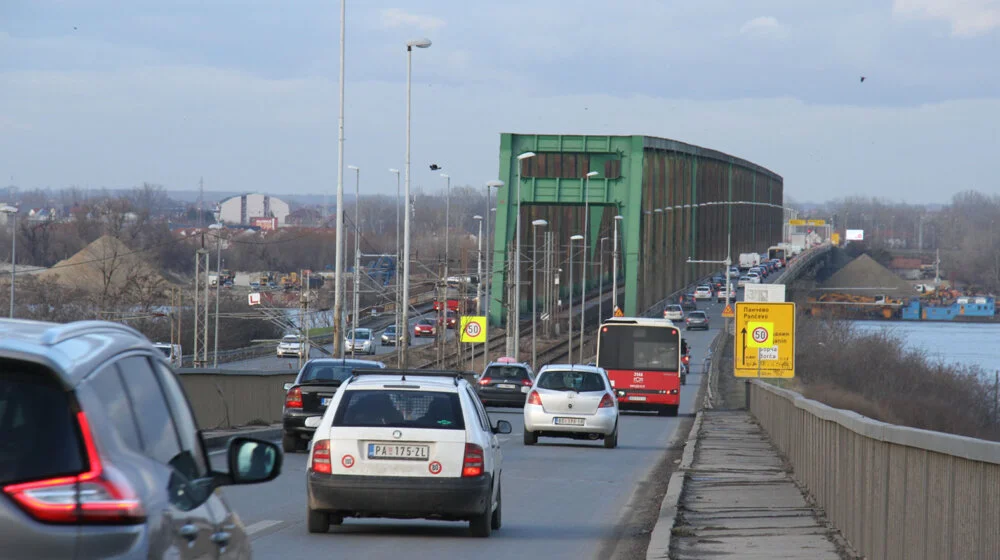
473 329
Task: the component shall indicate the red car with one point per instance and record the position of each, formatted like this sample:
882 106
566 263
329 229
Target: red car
451 320
424 327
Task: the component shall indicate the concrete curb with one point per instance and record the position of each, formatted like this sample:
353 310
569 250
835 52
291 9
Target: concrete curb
659 539
220 440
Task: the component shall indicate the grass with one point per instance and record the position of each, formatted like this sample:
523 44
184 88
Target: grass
320 331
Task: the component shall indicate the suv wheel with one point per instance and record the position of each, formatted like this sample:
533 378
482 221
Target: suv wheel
289 443
497 521
318 521
530 438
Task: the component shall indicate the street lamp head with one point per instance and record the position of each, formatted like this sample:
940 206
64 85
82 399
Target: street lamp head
354 167
419 43
216 226
576 237
8 209
658 210
446 176
396 171
496 183
619 218
526 155
477 217
592 174
540 223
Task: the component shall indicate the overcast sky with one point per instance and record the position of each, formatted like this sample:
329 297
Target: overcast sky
112 93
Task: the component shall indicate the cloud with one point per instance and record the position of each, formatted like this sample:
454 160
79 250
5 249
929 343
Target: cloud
968 18
395 17
763 26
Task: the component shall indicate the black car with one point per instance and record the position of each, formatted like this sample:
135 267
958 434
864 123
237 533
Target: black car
310 394
687 301
505 383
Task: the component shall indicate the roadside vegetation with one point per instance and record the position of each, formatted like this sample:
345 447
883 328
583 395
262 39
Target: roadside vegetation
878 376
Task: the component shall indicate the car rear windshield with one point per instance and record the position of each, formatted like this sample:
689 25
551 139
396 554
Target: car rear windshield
400 408
40 436
579 381
506 372
361 335
165 350
697 315
327 373
288 339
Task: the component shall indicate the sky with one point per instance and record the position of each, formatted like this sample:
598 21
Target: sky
105 93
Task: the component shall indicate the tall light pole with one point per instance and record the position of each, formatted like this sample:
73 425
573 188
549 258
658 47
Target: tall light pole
569 284
479 280
614 266
396 265
338 288
218 283
11 212
357 253
600 289
534 291
490 185
583 267
404 341
443 309
513 336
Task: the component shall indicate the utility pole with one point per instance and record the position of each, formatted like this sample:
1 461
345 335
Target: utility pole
201 290
338 289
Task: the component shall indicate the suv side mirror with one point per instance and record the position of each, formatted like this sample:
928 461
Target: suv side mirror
503 427
252 460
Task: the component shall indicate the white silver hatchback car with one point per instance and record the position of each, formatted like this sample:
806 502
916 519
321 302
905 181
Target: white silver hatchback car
572 401
405 444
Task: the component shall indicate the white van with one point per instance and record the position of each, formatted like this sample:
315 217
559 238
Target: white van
171 351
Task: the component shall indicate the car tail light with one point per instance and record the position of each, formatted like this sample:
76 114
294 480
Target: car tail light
293 399
534 398
485 381
473 464
321 457
100 495
686 359
526 382
606 401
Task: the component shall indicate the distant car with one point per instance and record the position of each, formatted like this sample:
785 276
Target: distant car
424 327
696 320
673 312
505 382
734 272
291 345
753 278
360 341
101 455
687 301
171 351
743 281
572 401
406 444
389 337
703 292
722 295
254 286
451 319
310 394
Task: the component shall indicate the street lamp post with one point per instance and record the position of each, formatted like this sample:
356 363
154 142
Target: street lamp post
218 283
534 291
357 254
443 309
404 341
513 336
583 267
338 288
479 279
398 302
600 289
11 212
614 266
569 284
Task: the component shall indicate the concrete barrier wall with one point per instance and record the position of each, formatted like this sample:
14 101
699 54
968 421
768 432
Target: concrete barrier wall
893 492
226 400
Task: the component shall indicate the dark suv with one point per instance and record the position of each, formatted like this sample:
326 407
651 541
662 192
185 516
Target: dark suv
311 393
100 455
505 382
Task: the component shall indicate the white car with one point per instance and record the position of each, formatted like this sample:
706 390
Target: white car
722 295
360 341
572 401
703 292
673 312
291 345
753 278
743 281
405 444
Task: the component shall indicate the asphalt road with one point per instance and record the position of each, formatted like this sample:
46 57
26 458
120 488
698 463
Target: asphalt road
562 499
274 363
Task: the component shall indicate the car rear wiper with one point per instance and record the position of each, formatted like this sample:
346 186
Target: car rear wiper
336 382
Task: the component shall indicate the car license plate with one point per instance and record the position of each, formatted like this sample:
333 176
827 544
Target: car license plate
324 401
505 386
396 451
636 398
569 421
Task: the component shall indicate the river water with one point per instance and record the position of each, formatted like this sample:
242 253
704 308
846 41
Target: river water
964 343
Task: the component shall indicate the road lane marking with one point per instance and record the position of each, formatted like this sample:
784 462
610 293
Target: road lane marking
262 525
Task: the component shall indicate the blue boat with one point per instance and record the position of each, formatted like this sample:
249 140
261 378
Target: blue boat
966 308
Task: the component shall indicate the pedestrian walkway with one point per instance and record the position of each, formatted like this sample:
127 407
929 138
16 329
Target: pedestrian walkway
738 500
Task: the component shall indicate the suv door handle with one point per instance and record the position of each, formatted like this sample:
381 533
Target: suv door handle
189 531
221 538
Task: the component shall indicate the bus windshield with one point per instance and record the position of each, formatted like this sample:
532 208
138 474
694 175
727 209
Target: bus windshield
639 348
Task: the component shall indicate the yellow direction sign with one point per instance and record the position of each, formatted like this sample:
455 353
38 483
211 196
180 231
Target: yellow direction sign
835 238
728 311
765 340
473 329
796 222
816 222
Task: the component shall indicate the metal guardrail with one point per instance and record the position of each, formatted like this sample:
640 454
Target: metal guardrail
894 492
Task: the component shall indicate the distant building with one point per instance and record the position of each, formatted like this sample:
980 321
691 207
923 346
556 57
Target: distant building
241 210
308 217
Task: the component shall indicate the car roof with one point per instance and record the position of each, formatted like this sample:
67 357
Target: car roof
697 313
572 367
345 362
71 350
413 379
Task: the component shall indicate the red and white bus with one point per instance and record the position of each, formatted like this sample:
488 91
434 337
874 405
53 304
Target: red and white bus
643 360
